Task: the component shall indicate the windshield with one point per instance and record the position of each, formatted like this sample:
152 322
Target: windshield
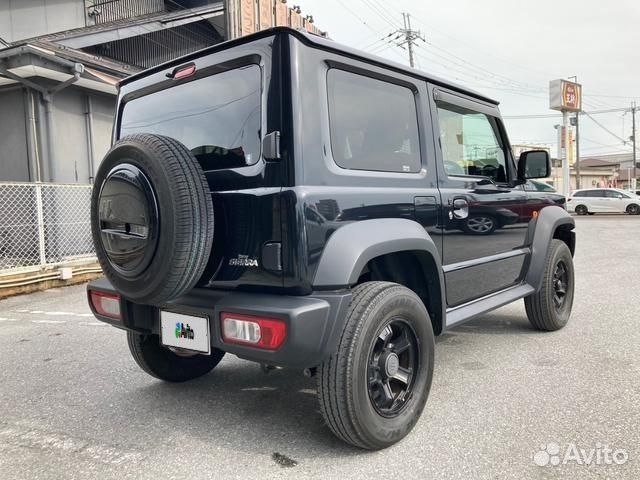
216 117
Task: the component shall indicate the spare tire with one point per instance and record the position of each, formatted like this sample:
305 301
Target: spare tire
151 218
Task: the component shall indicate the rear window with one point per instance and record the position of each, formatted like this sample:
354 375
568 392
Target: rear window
374 124
216 117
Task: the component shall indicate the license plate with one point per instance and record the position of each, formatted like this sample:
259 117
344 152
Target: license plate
189 332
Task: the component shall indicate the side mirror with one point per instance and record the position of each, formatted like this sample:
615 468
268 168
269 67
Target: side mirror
534 164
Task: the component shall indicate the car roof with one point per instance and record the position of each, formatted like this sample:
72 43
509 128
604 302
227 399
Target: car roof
600 188
318 42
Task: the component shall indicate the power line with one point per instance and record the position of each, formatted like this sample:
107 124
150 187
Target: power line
407 36
555 115
605 128
385 17
355 15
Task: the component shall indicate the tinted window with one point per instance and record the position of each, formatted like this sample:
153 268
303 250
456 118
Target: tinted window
614 194
470 145
580 194
374 124
598 193
216 117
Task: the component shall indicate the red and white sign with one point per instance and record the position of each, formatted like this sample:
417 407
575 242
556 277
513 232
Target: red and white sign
565 96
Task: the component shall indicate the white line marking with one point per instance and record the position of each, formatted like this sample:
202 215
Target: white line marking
8 319
48 321
92 324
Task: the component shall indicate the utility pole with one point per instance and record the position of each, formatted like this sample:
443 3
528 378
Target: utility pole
577 122
566 184
633 138
407 36
577 125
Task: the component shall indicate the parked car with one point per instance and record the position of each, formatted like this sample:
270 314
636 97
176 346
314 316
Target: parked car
261 133
603 200
538 186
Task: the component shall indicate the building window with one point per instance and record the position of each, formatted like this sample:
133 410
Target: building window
373 123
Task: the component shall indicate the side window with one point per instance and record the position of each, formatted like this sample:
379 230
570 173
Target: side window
373 123
614 194
580 194
470 145
598 193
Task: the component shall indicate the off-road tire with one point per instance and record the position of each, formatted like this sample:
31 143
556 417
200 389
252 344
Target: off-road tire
342 379
162 363
541 309
185 218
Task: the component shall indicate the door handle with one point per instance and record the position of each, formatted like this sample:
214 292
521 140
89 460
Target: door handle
459 209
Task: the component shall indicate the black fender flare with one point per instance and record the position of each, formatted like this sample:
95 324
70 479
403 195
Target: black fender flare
545 228
352 246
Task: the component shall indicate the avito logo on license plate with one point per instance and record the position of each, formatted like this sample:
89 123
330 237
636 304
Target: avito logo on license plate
189 332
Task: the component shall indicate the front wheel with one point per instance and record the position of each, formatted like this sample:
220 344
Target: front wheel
550 308
168 365
373 389
633 209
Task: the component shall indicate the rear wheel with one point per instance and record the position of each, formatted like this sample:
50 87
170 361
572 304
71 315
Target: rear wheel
633 209
373 389
168 365
550 308
581 209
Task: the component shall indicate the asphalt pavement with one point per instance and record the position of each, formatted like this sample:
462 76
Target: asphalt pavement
506 401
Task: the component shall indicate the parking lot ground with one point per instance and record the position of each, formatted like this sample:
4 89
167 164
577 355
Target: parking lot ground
505 398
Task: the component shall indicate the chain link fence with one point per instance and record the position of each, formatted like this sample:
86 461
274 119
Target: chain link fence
44 224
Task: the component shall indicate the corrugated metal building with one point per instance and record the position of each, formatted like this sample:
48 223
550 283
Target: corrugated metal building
61 59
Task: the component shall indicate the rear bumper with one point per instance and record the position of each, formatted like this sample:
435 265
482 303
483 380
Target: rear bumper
314 322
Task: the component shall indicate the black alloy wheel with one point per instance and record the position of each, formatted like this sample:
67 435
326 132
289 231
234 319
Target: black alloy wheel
373 388
560 284
394 358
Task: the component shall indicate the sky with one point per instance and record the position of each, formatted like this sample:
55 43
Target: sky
510 50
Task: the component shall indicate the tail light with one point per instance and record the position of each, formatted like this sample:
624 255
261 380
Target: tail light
253 331
105 304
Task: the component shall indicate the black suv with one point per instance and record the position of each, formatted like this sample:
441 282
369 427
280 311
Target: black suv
347 194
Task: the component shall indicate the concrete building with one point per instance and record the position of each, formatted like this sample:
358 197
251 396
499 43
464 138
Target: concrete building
60 61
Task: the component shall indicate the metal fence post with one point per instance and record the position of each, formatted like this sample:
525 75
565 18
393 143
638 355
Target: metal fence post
40 213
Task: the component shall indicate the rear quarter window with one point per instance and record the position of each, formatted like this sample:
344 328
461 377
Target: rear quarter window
373 123
217 117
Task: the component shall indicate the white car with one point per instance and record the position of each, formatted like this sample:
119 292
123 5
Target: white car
603 200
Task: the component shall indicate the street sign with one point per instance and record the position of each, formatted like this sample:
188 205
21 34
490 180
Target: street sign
565 96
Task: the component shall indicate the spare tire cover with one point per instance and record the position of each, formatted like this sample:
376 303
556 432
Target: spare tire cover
151 218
